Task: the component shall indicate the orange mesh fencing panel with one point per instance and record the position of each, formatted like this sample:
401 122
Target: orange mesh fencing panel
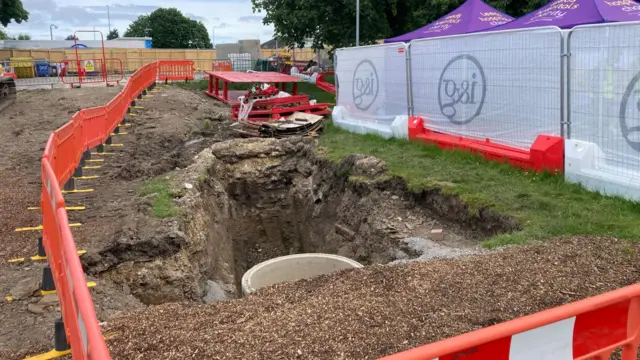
222 65
93 126
78 312
176 70
115 111
69 148
592 329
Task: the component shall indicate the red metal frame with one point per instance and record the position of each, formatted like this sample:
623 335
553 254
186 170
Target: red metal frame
280 80
277 112
83 78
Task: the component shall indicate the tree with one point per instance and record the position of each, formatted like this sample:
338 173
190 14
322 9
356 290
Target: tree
113 34
141 27
24 37
12 10
71 37
295 20
169 29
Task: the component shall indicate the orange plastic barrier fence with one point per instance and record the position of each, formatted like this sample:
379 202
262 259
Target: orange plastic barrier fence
62 157
179 70
587 329
222 65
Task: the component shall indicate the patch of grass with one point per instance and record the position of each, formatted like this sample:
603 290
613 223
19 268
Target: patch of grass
162 196
544 204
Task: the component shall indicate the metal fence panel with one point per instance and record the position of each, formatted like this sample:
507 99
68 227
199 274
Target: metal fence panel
603 152
373 90
504 86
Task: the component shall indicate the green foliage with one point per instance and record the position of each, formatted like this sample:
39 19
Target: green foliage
141 27
545 205
12 10
333 23
71 37
4 35
23 37
113 34
159 191
170 29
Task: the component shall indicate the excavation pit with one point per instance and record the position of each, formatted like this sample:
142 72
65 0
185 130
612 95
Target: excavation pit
244 202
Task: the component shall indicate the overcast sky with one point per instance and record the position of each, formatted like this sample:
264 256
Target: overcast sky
232 19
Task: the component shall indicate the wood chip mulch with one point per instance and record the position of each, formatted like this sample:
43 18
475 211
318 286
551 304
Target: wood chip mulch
379 310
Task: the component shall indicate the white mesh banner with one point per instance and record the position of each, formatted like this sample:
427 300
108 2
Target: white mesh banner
372 89
604 108
504 86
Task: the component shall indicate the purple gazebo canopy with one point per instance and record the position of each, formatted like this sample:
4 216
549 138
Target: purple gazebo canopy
566 14
472 16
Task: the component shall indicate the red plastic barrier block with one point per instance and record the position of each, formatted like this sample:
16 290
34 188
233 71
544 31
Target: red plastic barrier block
546 153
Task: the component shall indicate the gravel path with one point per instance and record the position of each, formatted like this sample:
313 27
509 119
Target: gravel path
364 314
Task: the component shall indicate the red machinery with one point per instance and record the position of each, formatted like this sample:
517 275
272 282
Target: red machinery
265 103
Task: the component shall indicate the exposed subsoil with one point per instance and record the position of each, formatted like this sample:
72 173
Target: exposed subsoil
158 141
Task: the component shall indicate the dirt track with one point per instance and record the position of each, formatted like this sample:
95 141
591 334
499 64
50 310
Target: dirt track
150 149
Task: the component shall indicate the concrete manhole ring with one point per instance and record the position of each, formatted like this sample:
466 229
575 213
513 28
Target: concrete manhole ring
293 267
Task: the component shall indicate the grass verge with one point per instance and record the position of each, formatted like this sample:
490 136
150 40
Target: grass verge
544 204
158 189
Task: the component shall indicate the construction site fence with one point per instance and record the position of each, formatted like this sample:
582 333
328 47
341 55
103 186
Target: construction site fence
542 99
133 59
592 328
44 74
66 151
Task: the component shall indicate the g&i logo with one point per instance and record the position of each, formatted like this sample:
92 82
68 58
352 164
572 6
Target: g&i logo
629 105
462 89
365 85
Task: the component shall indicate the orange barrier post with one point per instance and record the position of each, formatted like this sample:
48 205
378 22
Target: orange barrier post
587 329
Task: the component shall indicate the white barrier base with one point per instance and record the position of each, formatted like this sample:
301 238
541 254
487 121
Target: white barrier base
399 127
580 167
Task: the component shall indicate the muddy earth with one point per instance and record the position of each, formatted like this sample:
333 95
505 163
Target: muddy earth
171 126
245 201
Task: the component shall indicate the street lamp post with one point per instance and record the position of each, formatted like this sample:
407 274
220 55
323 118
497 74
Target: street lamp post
357 22
108 18
51 30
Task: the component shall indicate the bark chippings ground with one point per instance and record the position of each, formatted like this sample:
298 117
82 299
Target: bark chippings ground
380 310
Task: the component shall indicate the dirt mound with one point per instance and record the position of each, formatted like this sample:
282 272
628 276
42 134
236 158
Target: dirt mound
379 310
186 120
245 201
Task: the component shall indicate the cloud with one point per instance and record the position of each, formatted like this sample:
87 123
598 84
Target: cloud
250 18
233 20
196 17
